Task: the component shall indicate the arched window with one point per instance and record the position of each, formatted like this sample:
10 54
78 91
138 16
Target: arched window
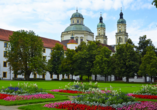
77 21
73 21
117 40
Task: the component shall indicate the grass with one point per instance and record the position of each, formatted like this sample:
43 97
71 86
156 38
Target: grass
36 107
21 102
49 85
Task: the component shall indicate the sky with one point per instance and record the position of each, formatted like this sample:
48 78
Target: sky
49 18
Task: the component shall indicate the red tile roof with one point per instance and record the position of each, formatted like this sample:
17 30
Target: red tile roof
48 43
72 41
109 47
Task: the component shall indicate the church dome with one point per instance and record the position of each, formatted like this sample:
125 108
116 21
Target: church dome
101 25
77 27
76 15
121 21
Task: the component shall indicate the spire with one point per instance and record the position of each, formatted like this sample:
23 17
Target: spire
76 9
72 37
101 18
121 14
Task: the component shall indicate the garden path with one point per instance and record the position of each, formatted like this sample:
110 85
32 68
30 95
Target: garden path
16 106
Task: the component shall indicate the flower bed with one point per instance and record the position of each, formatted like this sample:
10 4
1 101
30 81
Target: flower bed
144 96
2 96
29 97
73 106
22 89
145 105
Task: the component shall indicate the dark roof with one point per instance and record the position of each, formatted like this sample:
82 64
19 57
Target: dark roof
109 47
64 42
48 43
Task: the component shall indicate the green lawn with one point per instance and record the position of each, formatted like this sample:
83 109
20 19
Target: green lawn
49 85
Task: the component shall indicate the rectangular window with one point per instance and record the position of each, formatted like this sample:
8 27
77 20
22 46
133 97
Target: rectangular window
15 75
4 74
5 54
77 40
51 76
44 50
4 64
43 76
5 44
81 40
44 57
35 75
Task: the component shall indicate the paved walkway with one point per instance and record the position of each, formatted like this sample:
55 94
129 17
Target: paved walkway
16 106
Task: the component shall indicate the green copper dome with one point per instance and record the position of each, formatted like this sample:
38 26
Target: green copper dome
77 27
121 21
77 15
101 25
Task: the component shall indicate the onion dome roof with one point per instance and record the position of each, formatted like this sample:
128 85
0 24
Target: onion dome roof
121 20
101 24
77 27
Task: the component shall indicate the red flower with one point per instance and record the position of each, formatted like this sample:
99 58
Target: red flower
2 96
145 96
71 91
74 106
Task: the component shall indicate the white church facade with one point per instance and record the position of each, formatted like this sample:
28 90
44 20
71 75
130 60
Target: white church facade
71 37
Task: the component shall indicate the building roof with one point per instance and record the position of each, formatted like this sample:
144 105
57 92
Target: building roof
48 43
64 42
76 15
72 41
109 47
101 25
77 27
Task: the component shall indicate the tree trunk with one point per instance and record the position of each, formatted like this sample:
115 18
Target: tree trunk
151 79
72 77
105 77
127 79
88 78
95 77
145 77
27 75
58 76
110 78
81 77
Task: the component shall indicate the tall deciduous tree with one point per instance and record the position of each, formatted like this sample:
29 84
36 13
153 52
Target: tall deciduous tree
85 57
149 63
67 65
142 48
127 61
102 63
56 57
25 53
154 3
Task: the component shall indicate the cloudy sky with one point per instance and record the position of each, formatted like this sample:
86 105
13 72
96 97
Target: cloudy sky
48 18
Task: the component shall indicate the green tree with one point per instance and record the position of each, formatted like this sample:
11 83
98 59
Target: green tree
24 53
127 61
102 63
142 48
56 57
67 65
85 57
154 3
149 63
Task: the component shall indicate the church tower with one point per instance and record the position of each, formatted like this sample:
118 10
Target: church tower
121 35
101 31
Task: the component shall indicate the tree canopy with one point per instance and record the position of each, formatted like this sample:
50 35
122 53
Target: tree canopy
56 57
154 3
24 53
127 61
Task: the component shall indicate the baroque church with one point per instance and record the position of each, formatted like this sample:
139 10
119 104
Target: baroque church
77 32
71 37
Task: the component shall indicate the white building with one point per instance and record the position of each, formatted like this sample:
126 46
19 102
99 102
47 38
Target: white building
71 37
